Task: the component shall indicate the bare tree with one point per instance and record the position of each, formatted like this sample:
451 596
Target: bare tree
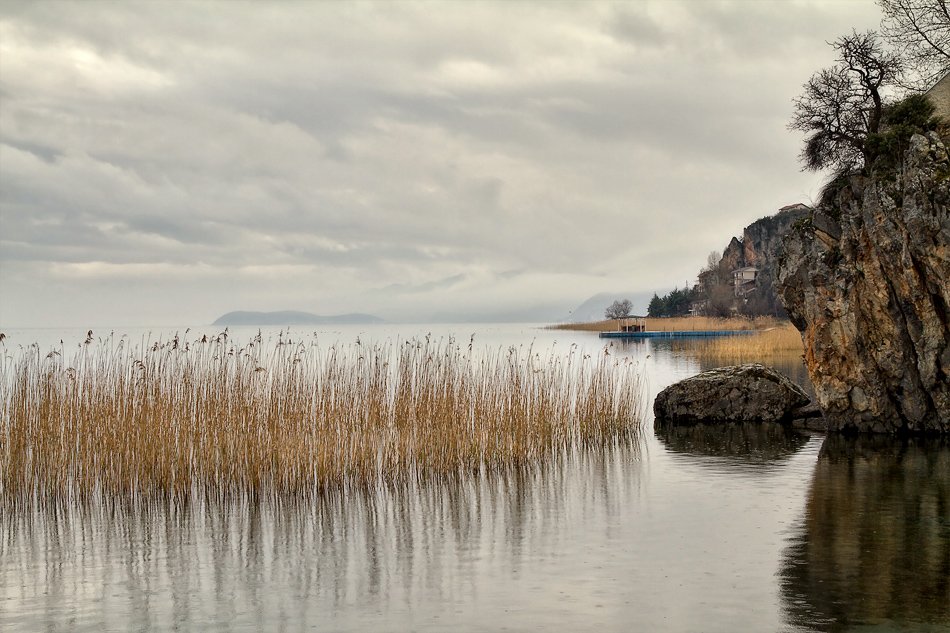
843 104
709 276
618 309
711 271
920 31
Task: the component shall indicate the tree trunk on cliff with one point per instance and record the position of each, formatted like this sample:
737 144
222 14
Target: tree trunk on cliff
871 294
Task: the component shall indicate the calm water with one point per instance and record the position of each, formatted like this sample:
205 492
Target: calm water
743 528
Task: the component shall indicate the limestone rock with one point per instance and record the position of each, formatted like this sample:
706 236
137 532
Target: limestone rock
740 393
870 291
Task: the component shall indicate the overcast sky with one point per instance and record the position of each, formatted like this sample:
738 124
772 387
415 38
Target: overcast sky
165 162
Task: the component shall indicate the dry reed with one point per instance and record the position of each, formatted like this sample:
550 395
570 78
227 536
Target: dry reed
779 342
208 419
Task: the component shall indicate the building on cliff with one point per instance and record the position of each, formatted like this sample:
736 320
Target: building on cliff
939 95
742 281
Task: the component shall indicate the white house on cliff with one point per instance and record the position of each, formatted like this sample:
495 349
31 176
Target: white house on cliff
939 95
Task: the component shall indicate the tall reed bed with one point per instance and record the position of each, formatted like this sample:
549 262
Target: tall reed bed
780 342
178 419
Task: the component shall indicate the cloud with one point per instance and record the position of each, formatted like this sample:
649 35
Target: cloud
407 159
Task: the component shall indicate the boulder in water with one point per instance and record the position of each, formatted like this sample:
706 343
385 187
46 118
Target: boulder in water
739 393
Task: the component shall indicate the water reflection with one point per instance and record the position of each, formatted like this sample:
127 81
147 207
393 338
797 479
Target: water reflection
395 554
741 444
874 548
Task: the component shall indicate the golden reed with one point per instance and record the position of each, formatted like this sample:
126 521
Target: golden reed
178 419
779 342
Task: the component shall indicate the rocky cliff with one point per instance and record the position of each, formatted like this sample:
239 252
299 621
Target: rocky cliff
759 247
867 281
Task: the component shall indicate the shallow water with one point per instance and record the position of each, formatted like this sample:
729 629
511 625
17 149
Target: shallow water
744 528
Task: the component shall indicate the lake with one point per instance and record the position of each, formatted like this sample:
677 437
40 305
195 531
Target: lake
740 528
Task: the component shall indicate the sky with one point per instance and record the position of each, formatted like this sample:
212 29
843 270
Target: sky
162 163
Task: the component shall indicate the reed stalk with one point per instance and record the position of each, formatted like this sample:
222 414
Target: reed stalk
179 420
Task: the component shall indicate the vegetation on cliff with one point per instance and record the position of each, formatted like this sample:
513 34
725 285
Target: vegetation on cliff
842 105
851 120
758 248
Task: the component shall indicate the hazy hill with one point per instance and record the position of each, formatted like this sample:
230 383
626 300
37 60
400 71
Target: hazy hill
291 317
593 308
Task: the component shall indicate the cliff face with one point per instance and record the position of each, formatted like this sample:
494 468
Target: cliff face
763 239
868 284
733 256
760 244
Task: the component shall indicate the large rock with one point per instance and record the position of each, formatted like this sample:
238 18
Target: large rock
741 393
868 284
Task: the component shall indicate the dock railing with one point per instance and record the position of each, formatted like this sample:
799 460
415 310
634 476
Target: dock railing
632 324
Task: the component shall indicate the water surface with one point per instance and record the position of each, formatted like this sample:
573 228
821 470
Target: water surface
739 528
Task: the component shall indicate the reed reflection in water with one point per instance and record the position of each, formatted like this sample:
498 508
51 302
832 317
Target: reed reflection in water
406 554
874 547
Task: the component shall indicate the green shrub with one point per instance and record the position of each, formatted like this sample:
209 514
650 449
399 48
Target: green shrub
913 115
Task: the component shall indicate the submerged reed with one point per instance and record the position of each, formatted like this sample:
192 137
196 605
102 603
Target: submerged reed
207 418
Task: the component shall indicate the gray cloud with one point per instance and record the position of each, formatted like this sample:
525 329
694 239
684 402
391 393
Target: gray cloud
407 159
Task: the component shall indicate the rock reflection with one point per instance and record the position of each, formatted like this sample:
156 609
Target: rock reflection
264 564
740 444
874 548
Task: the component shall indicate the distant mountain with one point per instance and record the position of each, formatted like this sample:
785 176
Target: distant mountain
291 317
593 308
